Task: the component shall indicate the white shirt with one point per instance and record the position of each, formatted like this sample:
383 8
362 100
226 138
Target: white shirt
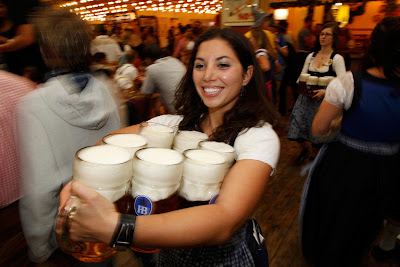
125 75
163 77
256 143
107 45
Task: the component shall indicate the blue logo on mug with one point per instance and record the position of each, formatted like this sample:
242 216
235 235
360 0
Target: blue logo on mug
143 205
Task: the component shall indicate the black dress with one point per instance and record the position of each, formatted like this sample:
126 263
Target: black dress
354 181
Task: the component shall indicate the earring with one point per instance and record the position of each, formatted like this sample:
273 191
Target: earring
242 91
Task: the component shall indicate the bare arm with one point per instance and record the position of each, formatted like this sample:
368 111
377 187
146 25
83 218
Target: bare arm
197 226
263 61
23 38
284 50
326 114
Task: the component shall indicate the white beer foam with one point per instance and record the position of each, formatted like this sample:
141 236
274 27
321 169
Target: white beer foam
205 156
103 166
312 80
132 142
126 140
158 168
226 150
193 191
303 77
323 81
217 146
155 193
160 156
158 135
204 166
104 154
188 140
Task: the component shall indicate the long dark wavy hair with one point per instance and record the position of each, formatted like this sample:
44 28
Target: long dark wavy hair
384 48
250 110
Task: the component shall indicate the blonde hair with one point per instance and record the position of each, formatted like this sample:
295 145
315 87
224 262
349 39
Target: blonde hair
262 41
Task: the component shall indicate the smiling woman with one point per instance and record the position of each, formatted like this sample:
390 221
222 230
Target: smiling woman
219 76
222 95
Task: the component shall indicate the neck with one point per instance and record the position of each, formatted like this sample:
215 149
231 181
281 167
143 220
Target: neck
325 50
213 120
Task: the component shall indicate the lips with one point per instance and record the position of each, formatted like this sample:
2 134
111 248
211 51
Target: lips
212 91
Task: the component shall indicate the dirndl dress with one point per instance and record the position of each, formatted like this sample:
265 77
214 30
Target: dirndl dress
354 181
304 111
234 253
351 186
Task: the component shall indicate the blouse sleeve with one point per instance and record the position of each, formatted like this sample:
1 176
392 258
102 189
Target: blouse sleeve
338 65
340 91
258 143
307 63
261 52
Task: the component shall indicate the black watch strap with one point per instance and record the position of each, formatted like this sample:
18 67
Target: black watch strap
123 235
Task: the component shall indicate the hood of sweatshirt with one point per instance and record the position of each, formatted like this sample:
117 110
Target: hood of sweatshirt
87 108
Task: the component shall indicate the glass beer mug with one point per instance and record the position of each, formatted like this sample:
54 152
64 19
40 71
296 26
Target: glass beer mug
203 173
157 173
132 142
312 84
108 170
303 83
323 83
188 140
226 150
157 135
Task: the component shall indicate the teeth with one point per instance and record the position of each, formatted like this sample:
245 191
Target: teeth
212 90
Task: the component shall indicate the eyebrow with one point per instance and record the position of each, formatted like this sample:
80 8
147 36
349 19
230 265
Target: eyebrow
218 58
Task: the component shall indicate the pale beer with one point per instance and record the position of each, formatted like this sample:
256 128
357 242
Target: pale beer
108 170
157 173
203 173
312 84
303 83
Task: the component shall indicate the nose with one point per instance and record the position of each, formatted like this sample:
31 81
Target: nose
209 73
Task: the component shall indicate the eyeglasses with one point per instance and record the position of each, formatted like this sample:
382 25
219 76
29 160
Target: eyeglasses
325 34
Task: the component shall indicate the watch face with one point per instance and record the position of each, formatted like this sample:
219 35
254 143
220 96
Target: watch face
238 12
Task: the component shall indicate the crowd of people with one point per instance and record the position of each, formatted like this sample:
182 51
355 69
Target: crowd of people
230 86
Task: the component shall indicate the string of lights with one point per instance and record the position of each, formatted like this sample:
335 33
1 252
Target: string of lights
99 10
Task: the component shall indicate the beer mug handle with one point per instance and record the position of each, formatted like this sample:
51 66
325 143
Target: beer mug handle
67 212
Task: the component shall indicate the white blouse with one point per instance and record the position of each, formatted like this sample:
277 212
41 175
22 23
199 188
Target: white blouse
337 64
340 91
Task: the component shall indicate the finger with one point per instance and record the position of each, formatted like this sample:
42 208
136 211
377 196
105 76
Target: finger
65 194
83 192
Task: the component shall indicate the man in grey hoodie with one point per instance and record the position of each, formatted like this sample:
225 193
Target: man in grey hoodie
70 111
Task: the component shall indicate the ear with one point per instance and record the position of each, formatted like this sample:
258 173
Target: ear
248 75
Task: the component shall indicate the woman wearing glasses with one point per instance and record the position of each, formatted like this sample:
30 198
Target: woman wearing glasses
324 62
354 182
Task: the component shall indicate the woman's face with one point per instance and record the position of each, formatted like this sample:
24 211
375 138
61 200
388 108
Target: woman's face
218 75
326 37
